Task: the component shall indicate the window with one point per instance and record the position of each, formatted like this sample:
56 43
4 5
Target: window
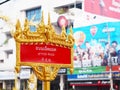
77 5
34 14
63 9
1 61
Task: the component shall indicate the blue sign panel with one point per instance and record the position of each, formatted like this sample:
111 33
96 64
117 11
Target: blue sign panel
95 76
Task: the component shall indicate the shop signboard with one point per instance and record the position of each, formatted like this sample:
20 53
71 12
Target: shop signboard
62 71
108 8
89 70
94 76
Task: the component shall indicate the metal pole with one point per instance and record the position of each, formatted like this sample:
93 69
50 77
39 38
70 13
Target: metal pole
75 4
111 80
61 82
110 62
46 85
110 71
107 30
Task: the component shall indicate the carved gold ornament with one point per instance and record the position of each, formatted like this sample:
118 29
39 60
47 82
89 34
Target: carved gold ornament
43 33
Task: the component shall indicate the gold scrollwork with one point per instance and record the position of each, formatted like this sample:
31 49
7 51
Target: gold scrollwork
46 73
32 82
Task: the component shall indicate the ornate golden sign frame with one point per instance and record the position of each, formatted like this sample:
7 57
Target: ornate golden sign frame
43 34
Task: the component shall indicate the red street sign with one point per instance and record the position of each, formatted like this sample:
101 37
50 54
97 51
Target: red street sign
44 53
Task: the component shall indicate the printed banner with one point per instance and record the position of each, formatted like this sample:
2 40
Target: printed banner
108 8
88 70
96 48
94 43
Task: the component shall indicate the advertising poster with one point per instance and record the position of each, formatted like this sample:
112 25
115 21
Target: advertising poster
93 45
108 8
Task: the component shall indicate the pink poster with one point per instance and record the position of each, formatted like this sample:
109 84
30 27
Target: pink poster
108 8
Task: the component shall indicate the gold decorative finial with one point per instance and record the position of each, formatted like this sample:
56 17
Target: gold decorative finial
17 69
26 23
71 31
42 18
26 27
49 22
18 31
70 37
63 33
18 26
71 70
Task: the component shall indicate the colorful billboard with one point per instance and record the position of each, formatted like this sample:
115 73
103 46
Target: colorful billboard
94 43
108 8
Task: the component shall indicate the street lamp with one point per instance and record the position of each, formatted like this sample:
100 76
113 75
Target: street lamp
108 31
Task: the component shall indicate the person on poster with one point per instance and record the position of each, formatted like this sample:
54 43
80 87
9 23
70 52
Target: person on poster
118 57
113 52
106 54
